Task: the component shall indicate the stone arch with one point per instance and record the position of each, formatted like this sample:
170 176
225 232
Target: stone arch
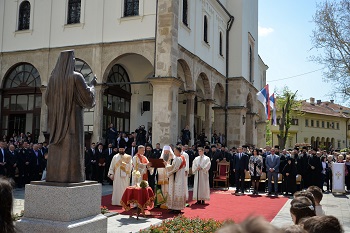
313 142
333 143
137 68
185 74
206 84
127 57
249 103
219 95
249 120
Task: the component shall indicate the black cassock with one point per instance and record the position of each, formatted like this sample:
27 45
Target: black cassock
290 180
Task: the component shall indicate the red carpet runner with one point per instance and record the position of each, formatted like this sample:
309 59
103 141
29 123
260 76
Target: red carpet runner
222 205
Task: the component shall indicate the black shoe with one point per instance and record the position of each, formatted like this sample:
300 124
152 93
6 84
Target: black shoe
203 202
198 203
276 194
269 193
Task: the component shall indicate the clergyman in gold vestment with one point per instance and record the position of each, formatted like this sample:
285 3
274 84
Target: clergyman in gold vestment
67 95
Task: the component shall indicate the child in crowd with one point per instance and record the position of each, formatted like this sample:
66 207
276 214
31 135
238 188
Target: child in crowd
322 224
317 192
301 207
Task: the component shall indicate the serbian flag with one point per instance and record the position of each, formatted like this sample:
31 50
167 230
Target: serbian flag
273 108
263 97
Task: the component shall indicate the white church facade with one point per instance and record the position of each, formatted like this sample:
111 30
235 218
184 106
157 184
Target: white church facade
164 64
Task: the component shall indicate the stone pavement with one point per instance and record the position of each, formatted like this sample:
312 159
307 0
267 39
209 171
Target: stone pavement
332 204
336 205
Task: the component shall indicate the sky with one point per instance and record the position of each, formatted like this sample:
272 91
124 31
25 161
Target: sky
285 30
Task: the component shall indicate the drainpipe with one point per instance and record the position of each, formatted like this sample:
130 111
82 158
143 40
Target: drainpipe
229 25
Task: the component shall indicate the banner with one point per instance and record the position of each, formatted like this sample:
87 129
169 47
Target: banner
338 171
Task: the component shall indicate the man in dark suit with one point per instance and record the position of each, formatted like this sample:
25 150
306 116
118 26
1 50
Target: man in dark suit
93 159
24 164
157 152
101 163
109 153
87 162
12 157
3 159
240 166
132 150
36 160
131 139
272 169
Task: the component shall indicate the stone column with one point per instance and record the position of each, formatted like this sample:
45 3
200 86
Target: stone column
190 95
236 130
165 110
167 38
98 114
43 115
219 120
208 118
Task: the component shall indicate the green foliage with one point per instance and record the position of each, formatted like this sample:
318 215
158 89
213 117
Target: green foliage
182 224
104 210
17 216
344 150
268 135
288 105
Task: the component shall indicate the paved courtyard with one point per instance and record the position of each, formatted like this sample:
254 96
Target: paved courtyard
336 205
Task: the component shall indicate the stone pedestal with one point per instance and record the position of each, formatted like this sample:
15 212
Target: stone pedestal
70 209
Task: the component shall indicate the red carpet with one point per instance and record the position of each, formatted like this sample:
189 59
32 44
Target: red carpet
222 205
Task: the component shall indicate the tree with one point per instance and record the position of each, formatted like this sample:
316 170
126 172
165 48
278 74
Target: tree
332 37
287 104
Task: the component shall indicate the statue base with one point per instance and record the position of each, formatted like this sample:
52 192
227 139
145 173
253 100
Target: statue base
57 209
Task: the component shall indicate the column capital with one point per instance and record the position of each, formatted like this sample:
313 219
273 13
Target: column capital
190 94
165 80
43 88
209 101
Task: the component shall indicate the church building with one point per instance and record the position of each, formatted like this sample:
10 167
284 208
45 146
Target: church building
163 64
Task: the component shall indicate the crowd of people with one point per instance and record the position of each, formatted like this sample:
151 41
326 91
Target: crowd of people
23 161
125 160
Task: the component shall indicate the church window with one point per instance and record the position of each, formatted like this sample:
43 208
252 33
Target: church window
74 10
131 7
24 16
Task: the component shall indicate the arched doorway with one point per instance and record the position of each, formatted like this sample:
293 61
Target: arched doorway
116 100
21 102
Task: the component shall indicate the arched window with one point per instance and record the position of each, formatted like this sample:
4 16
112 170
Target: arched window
185 12
24 75
117 99
250 64
83 68
131 7
24 16
74 9
21 101
119 75
205 29
220 43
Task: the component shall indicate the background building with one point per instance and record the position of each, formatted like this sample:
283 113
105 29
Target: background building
322 125
191 63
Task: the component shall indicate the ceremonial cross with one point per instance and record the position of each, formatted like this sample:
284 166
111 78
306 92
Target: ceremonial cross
338 174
